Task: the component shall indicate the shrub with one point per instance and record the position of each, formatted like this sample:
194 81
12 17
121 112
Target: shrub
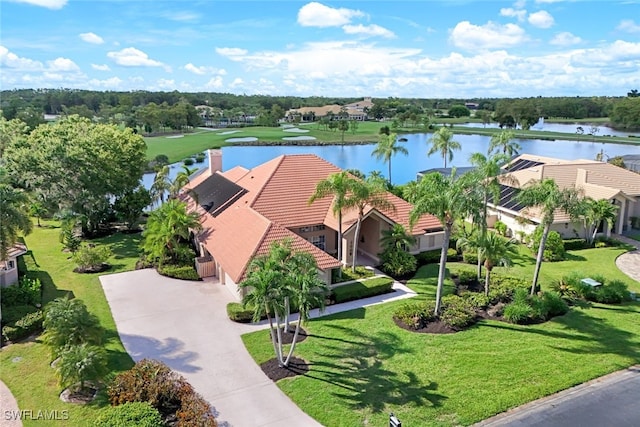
188 161
539 309
599 244
415 314
184 272
470 257
574 244
68 323
501 228
237 313
517 312
429 257
613 292
23 327
478 300
81 363
398 263
346 274
466 277
362 289
26 292
504 287
11 314
200 157
91 257
457 312
556 306
140 414
554 247
68 238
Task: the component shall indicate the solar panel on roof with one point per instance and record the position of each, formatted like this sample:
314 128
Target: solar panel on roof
217 193
508 198
521 164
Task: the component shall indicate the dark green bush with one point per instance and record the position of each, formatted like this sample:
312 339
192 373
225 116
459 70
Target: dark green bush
91 257
553 248
200 157
362 289
556 306
139 414
397 262
429 257
25 292
237 313
466 277
501 228
11 314
415 314
539 308
478 300
23 327
574 244
457 312
613 292
517 312
184 272
470 257
188 161
503 287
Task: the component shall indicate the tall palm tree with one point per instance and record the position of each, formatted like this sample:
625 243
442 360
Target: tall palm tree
181 179
446 198
161 185
14 217
396 238
387 147
504 141
363 194
493 250
548 197
442 142
598 211
338 185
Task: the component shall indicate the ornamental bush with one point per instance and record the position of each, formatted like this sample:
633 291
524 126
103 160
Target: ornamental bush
90 258
397 262
517 312
553 248
139 414
184 272
415 314
25 292
457 312
613 292
237 313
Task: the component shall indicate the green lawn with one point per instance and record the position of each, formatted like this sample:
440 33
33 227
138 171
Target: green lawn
25 367
363 366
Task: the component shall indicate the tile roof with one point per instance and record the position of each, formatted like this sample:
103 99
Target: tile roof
276 199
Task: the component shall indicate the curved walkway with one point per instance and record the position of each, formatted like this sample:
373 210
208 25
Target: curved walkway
10 412
185 325
629 263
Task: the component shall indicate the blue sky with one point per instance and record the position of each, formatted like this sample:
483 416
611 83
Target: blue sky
427 49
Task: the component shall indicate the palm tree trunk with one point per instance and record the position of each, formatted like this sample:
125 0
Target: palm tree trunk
487 277
279 340
355 243
389 161
595 232
293 343
479 266
536 272
443 266
273 336
340 239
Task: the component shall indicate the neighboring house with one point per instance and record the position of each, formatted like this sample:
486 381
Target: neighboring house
355 111
631 162
244 210
9 266
594 179
446 171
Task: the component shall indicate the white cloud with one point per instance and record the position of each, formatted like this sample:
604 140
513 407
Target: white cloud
166 84
231 52
182 16
541 19
549 1
100 67
368 30
91 38
466 35
110 83
214 83
62 64
237 82
316 14
49 4
629 26
513 13
204 70
11 60
132 57
565 39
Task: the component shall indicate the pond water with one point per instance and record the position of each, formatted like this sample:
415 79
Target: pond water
564 127
405 168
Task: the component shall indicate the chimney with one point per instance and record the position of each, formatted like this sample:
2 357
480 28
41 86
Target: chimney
215 161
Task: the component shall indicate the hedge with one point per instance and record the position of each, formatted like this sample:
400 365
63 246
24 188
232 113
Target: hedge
184 272
433 256
574 244
23 327
237 313
362 289
139 414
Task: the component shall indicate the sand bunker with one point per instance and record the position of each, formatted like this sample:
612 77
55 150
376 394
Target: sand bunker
229 132
245 139
299 138
295 130
175 136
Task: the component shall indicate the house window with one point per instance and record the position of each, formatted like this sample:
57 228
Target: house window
311 228
11 265
318 242
431 241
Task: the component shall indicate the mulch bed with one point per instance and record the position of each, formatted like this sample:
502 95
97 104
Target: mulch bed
287 337
296 366
81 396
435 327
93 269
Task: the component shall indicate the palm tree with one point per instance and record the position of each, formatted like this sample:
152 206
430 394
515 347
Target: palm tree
396 238
493 250
503 141
14 217
168 227
386 148
596 212
363 194
161 185
81 363
337 185
181 179
442 142
447 198
548 197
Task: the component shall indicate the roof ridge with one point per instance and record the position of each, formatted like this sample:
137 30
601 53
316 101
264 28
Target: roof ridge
259 243
266 182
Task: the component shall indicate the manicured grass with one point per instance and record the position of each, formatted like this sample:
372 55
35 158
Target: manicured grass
25 366
363 366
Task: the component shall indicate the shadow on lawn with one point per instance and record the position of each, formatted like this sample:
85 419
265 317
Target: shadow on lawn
357 368
594 335
169 351
123 245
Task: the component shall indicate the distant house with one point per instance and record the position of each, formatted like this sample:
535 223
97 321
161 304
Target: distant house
632 162
446 171
9 266
472 105
243 211
597 180
355 111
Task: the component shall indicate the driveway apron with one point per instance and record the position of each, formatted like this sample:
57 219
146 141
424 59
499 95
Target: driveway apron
185 325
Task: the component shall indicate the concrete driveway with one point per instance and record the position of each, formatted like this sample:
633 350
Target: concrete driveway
184 324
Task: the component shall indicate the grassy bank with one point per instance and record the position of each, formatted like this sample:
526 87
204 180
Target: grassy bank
25 366
363 366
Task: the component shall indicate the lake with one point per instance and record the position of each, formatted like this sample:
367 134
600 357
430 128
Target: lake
404 168
564 128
